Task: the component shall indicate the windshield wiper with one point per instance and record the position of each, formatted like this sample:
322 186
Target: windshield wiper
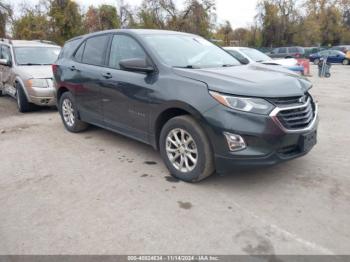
188 67
228 65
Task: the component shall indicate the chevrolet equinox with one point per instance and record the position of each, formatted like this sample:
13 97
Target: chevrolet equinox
188 98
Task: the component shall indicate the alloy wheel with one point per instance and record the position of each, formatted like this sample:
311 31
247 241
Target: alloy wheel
181 150
68 112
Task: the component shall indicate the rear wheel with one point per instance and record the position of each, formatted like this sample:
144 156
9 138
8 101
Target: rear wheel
186 150
22 102
345 62
69 114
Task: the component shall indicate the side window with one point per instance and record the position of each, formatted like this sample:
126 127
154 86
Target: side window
282 50
69 48
124 47
79 53
95 47
6 53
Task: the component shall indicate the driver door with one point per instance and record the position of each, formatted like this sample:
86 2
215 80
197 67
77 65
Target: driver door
7 76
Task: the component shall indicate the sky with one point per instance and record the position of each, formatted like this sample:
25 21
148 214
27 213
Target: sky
239 12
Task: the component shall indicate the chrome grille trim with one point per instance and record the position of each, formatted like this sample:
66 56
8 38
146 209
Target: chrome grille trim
275 116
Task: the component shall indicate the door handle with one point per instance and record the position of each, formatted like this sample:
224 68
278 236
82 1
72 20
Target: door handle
107 75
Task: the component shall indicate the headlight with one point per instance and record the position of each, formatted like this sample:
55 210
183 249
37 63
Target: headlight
37 82
246 104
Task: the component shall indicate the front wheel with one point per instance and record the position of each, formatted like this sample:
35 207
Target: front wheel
345 62
23 104
69 114
186 150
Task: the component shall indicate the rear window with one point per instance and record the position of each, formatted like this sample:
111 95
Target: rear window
69 48
95 47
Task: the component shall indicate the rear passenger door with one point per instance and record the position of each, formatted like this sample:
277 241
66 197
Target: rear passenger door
125 93
88 66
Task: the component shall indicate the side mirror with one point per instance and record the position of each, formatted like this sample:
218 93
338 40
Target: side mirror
5 62
136 65
244 61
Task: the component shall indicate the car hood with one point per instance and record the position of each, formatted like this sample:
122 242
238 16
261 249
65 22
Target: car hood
251 80
35 71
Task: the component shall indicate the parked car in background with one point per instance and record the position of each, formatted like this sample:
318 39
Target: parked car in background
312 50
187 97
25 72
333 56
288 52
342 48
248 55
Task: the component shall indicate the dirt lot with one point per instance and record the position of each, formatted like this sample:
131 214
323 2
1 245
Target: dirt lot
100 193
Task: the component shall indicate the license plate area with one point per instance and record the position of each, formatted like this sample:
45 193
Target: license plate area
308 141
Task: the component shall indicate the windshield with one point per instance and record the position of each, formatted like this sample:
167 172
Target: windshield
189 51
255 55
36 55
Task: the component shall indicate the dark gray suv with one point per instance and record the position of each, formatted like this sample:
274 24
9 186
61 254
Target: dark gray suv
186 97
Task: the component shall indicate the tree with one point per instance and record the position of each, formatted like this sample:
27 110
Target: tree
109 18
32 25
197 17
66 20
102 18
92 20
5 14
225 33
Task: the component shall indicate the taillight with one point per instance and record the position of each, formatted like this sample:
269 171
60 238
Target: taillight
54 68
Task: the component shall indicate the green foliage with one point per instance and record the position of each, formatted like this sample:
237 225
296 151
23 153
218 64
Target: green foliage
32 25
66 20
277 23
102 18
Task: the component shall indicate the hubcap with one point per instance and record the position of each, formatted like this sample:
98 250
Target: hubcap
181 150
68 112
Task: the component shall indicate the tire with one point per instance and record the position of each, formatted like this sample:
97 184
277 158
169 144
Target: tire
204 157
316 61
22 102
345 62
69 114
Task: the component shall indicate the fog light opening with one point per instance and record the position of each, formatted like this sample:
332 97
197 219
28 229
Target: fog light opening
235 142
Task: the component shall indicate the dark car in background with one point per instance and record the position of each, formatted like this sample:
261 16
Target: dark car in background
333 56
287 52
186 97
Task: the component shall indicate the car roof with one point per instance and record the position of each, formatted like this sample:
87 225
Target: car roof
134 32
236 47
32 43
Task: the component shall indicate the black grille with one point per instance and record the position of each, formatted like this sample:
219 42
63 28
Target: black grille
299 117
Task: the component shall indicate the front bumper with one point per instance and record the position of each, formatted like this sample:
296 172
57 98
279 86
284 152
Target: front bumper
268 142
42 96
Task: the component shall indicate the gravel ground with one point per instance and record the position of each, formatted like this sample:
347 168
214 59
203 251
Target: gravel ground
100 193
